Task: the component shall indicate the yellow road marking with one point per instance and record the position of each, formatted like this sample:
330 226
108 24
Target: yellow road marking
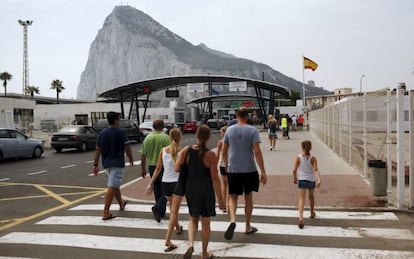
52 194
49 185
45 196
42 213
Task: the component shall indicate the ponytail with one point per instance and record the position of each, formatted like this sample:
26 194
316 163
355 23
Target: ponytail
175 137
306 147
203 135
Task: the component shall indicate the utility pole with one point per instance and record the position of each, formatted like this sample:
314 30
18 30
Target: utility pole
25 55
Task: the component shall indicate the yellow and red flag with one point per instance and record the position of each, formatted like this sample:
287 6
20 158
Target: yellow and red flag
309 64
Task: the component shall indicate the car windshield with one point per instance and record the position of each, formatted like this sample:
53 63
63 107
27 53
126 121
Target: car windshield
69 130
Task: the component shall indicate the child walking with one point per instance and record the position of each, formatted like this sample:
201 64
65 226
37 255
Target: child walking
306 175
222 167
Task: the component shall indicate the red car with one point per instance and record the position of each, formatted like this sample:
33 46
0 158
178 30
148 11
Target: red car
191 126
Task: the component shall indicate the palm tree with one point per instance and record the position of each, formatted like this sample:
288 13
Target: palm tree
5 76
33 90
58 86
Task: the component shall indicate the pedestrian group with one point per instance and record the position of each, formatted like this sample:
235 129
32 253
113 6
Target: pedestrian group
201 175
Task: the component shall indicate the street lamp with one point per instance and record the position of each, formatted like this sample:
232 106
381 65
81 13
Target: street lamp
25 55
360 83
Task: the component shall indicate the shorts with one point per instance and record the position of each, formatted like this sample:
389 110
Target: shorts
115 175
243 183
168 188
223 171
303 184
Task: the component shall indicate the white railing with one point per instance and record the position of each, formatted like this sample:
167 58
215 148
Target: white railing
375 126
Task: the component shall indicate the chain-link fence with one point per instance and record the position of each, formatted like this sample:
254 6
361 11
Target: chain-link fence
368 127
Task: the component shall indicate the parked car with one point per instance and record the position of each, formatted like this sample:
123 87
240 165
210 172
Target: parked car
131 128
169 126
14 144
146 128
215 123
191 126
81 137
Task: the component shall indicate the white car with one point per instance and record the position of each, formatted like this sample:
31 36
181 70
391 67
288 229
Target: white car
146 128
13 144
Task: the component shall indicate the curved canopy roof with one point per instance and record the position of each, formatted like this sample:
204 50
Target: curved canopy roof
138 88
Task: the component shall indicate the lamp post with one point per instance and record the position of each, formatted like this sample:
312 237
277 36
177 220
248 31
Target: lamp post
25 55
360 83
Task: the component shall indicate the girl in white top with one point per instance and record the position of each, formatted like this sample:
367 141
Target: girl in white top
222 168
166 159
306 176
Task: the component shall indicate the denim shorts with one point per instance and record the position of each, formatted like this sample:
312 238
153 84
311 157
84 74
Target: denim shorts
303 184
115 175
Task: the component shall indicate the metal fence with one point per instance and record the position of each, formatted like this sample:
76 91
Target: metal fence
374 126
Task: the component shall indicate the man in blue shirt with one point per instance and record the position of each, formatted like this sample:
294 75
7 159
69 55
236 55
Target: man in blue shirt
112 143
241 146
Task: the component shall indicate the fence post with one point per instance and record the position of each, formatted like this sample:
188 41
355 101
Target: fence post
340 128
364 135
350 130
329 125
388 142
400 147
411 152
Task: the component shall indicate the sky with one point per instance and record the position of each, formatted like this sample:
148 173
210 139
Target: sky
347 38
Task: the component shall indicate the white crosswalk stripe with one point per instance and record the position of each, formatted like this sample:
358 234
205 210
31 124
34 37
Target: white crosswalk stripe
67 231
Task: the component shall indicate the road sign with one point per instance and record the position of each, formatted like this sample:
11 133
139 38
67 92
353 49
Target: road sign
239 86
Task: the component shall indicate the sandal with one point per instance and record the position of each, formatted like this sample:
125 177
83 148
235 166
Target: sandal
313 215
179 231
170 248
230 231
189 253
123 207
110 216
209 256
301 225
252 231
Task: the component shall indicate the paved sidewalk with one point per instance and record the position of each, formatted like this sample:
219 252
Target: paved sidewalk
342 186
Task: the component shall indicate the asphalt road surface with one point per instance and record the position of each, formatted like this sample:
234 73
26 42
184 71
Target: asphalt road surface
51 208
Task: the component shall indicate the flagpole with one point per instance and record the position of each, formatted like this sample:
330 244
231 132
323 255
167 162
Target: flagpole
303 81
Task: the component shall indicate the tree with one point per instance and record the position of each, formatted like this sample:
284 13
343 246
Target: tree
33 90
5 76
57 85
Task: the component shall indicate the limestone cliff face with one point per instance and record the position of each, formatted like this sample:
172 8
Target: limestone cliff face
131 46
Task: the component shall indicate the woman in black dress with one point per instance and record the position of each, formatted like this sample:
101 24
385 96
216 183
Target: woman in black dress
200 188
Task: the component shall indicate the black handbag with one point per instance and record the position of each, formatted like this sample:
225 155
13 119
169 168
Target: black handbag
182 178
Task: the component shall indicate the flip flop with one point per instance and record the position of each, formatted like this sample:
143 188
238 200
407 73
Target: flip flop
170 248
179 231
230 231
252 231
110 216
189 253
313 215
123 207
210 256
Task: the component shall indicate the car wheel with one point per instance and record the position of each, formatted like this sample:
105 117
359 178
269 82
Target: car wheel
37 152
83 147
58 149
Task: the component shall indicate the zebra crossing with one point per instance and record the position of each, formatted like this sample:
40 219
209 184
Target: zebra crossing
134 233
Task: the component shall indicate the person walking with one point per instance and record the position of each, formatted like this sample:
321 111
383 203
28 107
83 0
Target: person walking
285 126
240 149
222 168
273 125
202 184
305 169
112 143
167 159
150 150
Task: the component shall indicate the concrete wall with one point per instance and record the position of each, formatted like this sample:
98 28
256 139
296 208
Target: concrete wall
7 106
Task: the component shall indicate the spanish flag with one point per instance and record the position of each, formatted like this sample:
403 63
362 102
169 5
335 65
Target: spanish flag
309 64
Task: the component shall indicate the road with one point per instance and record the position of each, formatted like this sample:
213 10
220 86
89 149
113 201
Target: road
51 208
